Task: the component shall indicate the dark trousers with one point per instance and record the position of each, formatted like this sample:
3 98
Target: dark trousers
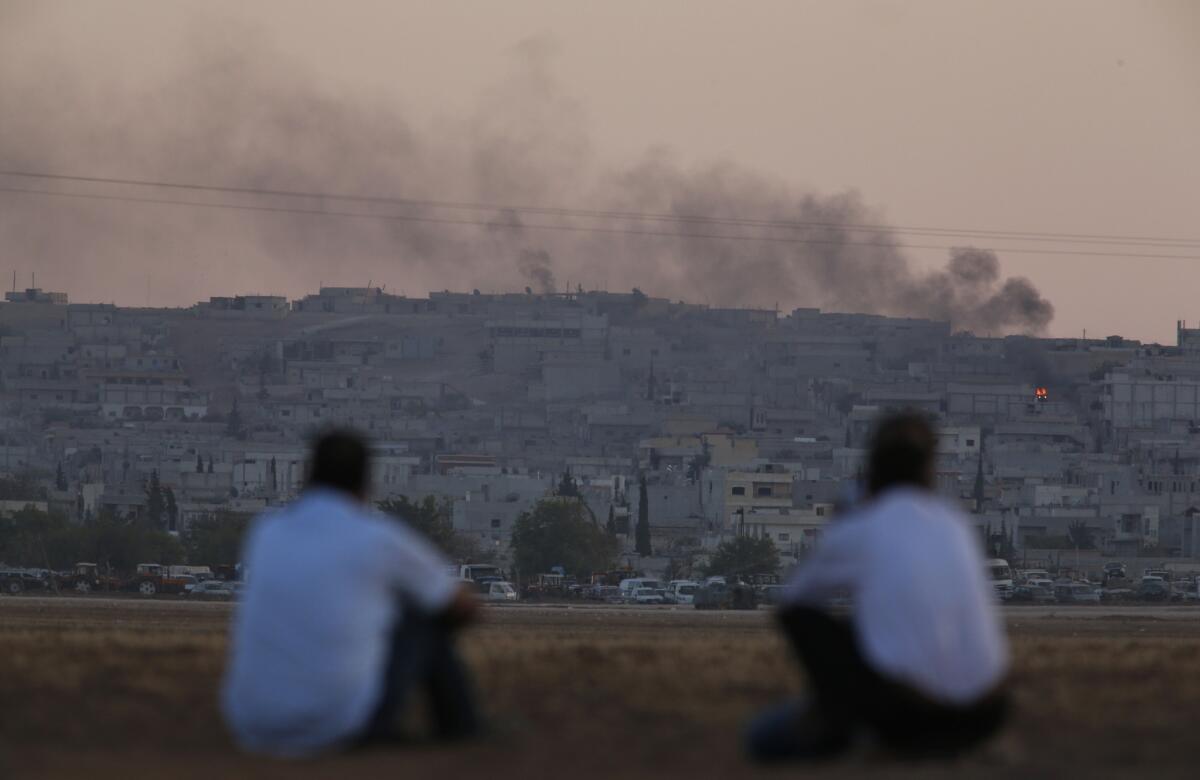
423 658
848 694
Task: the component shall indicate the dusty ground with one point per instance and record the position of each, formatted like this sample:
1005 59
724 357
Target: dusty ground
100 688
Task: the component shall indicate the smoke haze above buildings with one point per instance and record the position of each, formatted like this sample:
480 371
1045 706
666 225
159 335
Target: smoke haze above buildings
230 112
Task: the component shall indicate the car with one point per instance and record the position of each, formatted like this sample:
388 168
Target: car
1032 594
1155 589
631 585
498 590
648 596
719 595
770 594
211 589
1076 593
609 594
682 592
16 581
1115 570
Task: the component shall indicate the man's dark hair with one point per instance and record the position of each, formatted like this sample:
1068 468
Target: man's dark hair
340 460
903 448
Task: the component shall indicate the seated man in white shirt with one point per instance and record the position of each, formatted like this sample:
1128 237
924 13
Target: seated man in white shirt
921 658
346 613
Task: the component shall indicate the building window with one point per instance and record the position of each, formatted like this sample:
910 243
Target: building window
970 442
495 522
820 511
739 491
784 537
764 491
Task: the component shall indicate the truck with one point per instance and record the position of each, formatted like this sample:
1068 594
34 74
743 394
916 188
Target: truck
152 579
477 572
1000 574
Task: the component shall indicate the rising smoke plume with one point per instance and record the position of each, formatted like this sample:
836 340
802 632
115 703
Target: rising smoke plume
231 114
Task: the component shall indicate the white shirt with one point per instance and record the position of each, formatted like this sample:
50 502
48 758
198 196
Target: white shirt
312 633
925 613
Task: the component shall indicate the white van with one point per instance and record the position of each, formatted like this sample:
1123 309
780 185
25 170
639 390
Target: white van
682 591
499 591
630 586
1000 574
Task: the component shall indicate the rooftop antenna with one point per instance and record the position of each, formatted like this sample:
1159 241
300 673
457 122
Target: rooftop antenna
14 280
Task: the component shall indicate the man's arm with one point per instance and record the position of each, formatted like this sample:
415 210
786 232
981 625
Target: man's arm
418 570
837 562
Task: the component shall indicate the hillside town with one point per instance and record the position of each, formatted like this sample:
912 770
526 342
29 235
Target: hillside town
738 422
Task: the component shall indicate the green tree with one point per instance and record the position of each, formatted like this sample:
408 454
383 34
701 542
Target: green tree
431 517
155 504
217 539
744 556
1080 535
559 532
233 424
999 544
21 487
641 534
170 509
610 527
567 487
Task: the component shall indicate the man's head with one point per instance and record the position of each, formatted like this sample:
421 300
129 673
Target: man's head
902 453
341 461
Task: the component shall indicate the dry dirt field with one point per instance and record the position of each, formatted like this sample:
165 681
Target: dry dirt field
124 688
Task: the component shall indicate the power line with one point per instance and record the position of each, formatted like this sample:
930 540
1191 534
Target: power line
494 225
1053 237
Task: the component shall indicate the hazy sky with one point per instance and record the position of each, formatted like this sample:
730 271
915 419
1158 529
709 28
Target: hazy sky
1065 117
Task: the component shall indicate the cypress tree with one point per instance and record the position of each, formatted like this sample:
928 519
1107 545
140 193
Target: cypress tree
642 531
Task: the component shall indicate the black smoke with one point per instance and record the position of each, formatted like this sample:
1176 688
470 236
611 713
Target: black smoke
231 113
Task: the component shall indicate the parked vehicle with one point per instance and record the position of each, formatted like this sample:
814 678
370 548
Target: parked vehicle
211 589
718 595
1076 593
14 581
1155 589
770 594
1115 570
1032 594
478 571
153 578
630 585
498 590
648 596
1001 576
86 578
682 591
609 594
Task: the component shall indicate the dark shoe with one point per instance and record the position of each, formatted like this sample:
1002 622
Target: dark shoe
796 732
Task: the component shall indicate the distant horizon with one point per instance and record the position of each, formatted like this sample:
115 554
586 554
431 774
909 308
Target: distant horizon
781 312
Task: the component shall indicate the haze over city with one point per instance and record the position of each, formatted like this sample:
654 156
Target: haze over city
1073 119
